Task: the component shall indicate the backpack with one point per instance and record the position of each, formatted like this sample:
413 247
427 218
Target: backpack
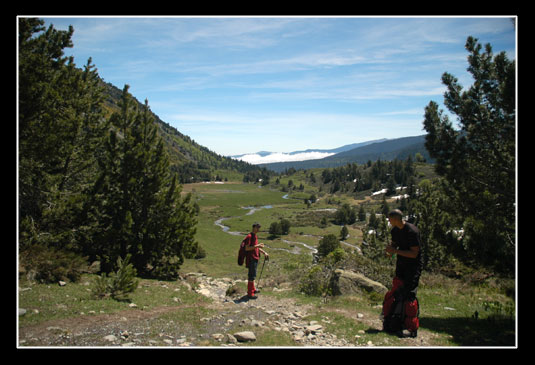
393 321
403 315
242 253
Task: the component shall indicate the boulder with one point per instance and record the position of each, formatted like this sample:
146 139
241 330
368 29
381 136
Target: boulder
245 336
110 338
350 282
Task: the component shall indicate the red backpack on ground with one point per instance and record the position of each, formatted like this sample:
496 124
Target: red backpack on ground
400 313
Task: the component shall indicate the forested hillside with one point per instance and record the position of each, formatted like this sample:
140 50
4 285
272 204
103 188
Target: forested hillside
191 161
99 173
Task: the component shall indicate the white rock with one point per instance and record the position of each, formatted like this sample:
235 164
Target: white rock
245 336
110 338
314 328
218 336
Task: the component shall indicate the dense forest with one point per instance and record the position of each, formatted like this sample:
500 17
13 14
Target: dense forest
96 179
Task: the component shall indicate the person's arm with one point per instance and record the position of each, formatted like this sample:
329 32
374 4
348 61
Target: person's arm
411 253
250 248
264 252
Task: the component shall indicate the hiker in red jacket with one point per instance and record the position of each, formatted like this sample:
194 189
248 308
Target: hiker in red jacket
253 249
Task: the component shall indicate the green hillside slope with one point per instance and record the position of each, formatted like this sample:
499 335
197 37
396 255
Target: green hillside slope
192 162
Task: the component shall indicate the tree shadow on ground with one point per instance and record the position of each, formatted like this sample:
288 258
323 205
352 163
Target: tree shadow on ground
471 332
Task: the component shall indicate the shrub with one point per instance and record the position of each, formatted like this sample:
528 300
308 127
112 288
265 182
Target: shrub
328 244
49 265
275 229
118 285
285 226
315 282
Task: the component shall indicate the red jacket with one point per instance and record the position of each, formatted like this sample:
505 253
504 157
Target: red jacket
251 240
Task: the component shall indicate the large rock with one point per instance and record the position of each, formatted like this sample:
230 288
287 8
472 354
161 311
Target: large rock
350 282
245 336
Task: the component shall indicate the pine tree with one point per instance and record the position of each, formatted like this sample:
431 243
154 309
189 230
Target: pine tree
137 203
344 232
361 214
479 159
118 285
61 129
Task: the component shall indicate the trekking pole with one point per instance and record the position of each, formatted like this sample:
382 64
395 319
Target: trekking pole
261 271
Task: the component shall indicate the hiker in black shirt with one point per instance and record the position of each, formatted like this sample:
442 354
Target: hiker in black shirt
407 246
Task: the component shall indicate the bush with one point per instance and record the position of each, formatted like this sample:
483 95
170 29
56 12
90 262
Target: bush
345 215
285 226
280 228
118 285
328 244
50 265
275 229
315 282
337 255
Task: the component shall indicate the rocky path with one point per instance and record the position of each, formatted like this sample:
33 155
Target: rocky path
232 320
266 312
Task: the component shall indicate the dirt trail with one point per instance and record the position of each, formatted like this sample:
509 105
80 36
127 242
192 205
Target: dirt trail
229 314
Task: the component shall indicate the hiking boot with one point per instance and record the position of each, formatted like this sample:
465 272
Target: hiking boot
409 334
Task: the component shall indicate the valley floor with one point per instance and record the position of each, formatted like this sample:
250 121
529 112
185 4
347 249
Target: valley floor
195 310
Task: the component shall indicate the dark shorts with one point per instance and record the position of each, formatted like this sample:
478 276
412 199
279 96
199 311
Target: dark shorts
253 265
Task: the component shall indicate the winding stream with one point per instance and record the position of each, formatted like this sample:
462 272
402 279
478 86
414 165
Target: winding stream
294 249
252 210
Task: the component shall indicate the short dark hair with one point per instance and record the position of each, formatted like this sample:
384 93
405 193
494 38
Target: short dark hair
256 225
395 213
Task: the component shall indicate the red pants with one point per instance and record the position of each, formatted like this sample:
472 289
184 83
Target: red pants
411 321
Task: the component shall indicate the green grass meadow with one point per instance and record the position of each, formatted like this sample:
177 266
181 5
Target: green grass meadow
453 312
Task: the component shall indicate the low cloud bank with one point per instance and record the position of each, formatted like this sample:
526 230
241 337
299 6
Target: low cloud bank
256 159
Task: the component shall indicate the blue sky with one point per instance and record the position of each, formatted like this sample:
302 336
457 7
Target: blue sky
245 84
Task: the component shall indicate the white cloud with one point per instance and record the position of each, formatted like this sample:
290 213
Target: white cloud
256 159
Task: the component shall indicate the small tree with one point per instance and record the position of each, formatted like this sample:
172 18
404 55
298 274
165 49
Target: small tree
118 285
344 233
328 244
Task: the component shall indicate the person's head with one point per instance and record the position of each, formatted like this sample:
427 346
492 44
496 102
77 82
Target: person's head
256 227
395 217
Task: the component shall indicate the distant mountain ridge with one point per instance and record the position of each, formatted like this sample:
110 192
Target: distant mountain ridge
263 157
399 148
195 163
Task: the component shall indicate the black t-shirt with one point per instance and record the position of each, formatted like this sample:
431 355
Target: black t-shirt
404 239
